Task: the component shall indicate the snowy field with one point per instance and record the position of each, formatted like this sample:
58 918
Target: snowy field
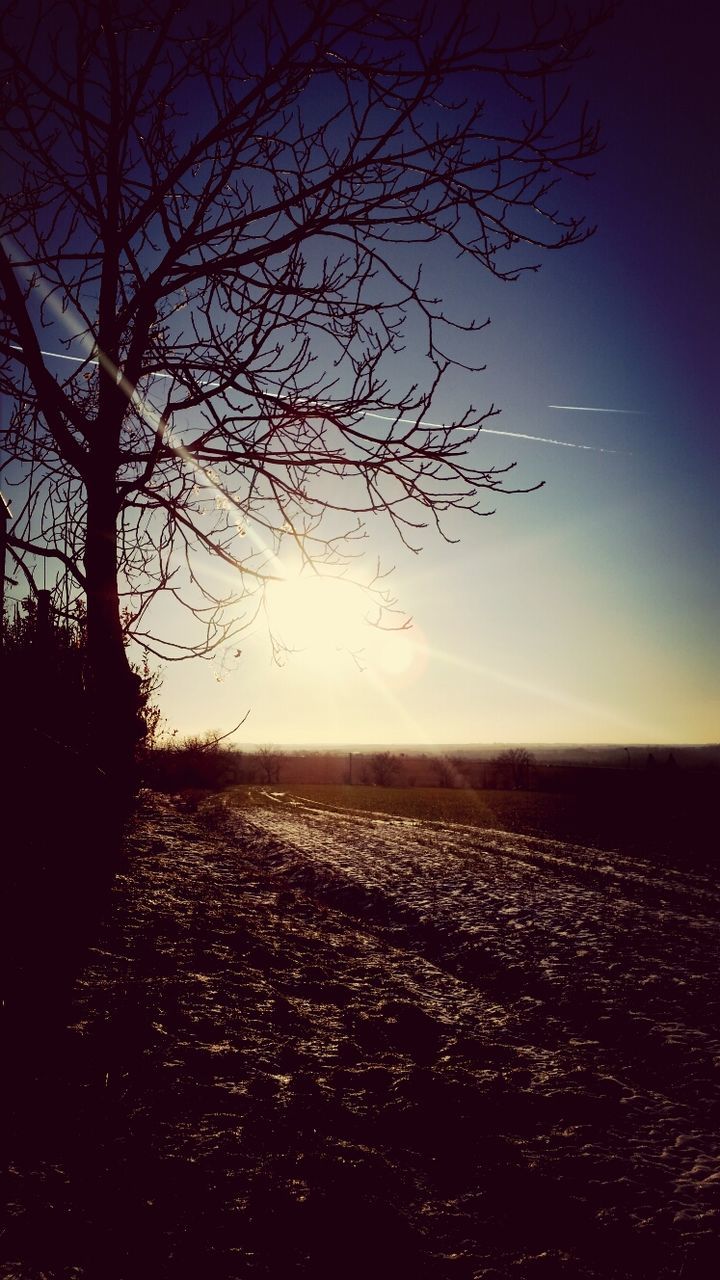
323 1043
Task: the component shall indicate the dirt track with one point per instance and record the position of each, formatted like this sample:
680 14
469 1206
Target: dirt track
336 1045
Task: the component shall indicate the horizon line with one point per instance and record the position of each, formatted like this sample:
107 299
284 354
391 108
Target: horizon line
507 742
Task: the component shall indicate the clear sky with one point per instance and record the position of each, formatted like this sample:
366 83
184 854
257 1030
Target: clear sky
587 611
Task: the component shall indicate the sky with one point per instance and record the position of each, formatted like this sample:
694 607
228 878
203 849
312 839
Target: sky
588 611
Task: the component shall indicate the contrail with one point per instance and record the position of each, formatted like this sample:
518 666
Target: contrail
421 422
587 408
493 431
58 355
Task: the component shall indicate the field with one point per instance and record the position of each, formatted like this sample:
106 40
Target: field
425 804
368 1035
672 821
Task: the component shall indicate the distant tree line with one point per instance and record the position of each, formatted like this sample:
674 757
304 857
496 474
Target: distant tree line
206 762
511 770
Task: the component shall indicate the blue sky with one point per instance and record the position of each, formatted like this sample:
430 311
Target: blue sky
587 611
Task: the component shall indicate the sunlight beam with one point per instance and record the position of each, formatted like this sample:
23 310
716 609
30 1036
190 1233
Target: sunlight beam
560 699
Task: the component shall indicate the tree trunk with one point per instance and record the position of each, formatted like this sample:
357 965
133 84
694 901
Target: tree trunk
114 687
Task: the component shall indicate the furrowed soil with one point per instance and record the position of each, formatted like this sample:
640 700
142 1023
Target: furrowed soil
313 1042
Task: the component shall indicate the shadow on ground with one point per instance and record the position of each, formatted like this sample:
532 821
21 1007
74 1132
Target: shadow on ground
271 1071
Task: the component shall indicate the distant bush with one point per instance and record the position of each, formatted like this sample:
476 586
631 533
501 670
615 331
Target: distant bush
197 762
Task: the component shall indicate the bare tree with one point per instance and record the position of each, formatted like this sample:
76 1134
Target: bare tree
384 768
513 768
211 266
270 762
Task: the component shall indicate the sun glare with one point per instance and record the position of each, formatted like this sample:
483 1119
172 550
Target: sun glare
393 653
312 612
327 618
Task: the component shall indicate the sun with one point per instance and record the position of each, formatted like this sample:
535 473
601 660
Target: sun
323 617
311 611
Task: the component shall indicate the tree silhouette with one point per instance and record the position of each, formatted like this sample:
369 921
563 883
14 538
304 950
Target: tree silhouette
45 680
384 768
220 224
270 762
513 768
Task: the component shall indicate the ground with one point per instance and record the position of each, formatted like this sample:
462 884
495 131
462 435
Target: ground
321 1043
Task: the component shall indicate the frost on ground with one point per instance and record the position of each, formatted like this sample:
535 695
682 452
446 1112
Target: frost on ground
313 1043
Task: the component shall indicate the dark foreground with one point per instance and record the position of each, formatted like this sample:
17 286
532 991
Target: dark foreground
312 1044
